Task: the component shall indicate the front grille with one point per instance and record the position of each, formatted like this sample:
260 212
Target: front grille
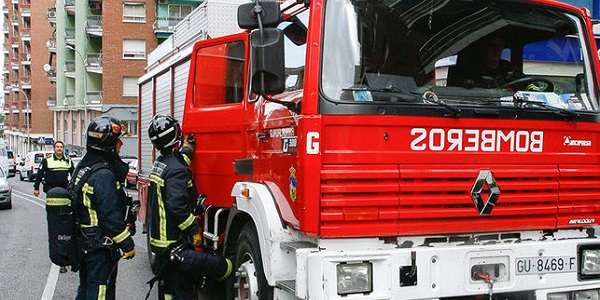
388 200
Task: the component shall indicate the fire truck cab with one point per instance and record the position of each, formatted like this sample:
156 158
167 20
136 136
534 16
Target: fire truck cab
370 150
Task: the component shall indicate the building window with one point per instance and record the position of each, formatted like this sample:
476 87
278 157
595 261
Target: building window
131 128
130 86
134 12
134 49
178 12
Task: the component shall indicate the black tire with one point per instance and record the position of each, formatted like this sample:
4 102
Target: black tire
21 176
247 251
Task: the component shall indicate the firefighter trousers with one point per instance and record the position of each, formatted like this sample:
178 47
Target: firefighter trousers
175 284
98 275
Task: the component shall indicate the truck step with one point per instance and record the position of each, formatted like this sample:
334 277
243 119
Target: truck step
293 246
287 285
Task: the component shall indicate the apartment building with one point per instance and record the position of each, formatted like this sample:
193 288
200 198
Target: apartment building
26 95
101 49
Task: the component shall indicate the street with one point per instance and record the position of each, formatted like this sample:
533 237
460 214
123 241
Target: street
25 269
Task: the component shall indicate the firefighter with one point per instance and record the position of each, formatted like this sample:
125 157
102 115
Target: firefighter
101 208
174 230
55 170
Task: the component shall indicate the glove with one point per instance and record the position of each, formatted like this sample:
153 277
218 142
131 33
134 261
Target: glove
131 228
197 239
189 142
129 254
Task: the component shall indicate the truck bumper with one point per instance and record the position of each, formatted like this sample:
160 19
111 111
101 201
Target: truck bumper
531 269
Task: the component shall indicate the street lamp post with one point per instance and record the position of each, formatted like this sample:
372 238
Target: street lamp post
85 96
27 112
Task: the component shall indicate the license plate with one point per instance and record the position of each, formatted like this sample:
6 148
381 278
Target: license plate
545 264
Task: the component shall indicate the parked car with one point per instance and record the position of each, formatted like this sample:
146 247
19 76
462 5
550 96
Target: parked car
32 163
5 191
75 160
3 156
132 174
12 163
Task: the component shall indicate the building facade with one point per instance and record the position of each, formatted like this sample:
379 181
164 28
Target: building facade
101 50
26 88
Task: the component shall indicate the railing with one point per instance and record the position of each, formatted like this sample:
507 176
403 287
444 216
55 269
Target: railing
94 97
69 65
70 36
94 22
69 100
165 24
51 44
51 101
94 60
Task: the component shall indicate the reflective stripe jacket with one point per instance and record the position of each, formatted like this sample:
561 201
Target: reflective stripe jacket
55 173
103 207
171 200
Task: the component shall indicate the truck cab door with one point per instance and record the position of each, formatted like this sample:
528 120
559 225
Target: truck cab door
216 112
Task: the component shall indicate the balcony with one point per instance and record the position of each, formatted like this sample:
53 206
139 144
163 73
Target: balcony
25 10
51 14
51 73
14 21
93 25
25 35
51 44
5 9
25 82
93 63
51 101
26 59
70 6
70 36
94 97
69 100
70 68
165 25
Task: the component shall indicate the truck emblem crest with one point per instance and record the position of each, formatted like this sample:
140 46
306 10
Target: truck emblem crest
484 178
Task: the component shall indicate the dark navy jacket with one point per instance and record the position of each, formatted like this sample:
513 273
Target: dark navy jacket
171 200
103 200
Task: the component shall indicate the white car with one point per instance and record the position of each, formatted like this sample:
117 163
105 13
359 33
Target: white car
32 163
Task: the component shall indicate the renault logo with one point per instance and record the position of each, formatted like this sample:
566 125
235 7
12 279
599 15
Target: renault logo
484 178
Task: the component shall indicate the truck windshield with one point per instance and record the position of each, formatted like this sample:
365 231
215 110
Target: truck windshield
455 53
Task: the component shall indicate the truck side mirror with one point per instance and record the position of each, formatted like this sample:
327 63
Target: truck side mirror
268 12
268 65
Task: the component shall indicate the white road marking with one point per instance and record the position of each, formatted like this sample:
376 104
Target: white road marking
51 283
54 269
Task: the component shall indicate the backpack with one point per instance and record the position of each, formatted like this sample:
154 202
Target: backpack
61 208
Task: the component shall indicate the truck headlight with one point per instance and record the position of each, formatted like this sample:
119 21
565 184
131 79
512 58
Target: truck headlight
354 278
590 261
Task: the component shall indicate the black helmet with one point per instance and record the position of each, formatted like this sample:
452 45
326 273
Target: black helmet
103 133
164 132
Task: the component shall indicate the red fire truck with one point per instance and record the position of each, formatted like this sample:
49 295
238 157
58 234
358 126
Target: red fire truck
402 149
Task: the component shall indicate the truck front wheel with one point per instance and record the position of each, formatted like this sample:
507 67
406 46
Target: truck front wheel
249 281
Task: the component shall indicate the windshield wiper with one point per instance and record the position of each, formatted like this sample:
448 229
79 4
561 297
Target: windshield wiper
568 114
454 110
392 89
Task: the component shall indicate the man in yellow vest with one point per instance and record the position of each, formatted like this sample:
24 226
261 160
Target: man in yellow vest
55 170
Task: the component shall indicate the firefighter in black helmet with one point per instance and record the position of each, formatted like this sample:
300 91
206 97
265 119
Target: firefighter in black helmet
101 209
172 197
